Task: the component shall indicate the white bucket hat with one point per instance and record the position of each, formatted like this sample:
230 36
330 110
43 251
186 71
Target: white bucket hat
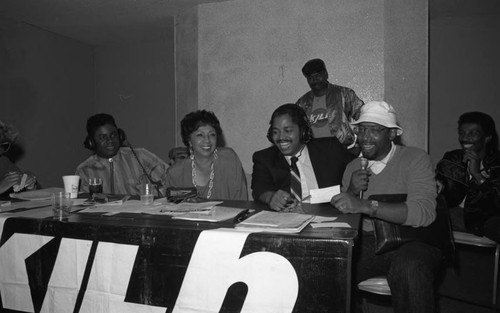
381 113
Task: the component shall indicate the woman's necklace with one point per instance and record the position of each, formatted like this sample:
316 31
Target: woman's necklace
212 174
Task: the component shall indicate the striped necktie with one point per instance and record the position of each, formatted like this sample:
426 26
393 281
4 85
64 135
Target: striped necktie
111 176
295 186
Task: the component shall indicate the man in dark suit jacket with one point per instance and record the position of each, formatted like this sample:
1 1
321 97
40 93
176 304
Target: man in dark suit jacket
321 162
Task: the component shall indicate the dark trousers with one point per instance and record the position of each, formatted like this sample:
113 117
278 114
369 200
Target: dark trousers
491 228
411 272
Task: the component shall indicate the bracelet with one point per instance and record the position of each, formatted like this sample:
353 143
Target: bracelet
374 207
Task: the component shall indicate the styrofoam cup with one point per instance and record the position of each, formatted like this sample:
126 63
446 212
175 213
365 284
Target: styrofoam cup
71 183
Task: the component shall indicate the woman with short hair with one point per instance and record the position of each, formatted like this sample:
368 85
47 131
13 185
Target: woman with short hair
215 171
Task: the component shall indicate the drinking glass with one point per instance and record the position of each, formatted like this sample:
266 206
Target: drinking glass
147 194
61 205
95 186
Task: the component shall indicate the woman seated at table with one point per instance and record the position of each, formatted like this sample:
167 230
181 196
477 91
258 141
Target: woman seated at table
10 175
215 171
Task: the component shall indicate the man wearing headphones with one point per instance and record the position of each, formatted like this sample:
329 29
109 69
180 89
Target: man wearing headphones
284 173
123 169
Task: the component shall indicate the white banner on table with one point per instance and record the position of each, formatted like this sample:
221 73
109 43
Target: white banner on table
109 279
14 284
216 265
67 274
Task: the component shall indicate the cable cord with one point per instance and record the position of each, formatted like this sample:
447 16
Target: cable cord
157 184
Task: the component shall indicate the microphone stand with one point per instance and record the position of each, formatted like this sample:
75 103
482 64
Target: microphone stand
145 172
364 165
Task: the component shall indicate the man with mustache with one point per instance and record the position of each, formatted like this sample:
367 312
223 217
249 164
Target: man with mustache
123 169
319 162
470 177
330 108
392 169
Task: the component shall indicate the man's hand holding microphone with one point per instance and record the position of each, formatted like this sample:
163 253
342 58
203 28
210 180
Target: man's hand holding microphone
352 200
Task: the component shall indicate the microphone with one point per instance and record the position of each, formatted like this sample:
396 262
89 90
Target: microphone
364 165
467 170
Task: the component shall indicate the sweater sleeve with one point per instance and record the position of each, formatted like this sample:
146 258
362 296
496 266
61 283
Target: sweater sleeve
422 191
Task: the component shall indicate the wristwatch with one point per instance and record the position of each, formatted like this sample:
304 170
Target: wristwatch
374 207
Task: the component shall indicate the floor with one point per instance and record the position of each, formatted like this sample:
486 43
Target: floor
464 289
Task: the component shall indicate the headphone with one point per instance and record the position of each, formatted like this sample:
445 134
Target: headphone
296 113
90 144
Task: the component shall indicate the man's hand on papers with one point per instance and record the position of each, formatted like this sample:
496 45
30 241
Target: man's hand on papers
282 201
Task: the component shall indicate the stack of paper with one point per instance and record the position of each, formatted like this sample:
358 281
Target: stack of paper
216 214
276 222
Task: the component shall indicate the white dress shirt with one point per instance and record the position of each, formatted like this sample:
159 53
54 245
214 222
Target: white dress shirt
307 176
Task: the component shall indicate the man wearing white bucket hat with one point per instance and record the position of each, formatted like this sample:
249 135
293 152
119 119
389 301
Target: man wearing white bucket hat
392 169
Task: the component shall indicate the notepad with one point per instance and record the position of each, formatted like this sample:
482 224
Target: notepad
276 222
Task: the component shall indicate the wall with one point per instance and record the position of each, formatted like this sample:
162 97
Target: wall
250 54
135 83
46 91
464 67
406 67
186 66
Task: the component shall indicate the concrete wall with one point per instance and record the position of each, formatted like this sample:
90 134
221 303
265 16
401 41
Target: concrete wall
186 66
250 54
135 83
406 66
47 92
50 85
464 70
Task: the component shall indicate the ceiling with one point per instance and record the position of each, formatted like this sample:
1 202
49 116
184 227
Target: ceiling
99 22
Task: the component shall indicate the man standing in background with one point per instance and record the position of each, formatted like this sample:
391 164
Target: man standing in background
330 108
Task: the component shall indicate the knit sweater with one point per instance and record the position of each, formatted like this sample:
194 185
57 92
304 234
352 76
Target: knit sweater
409 171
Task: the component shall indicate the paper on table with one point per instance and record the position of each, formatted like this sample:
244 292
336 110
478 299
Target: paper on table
130 206
39 194
34 213
216 214
25 205
330 224
276 222
323 219
324 195
188 207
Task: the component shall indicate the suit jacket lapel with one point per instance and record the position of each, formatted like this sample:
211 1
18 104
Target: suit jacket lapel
317 158
281 170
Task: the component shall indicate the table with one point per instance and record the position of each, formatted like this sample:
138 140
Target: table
145 263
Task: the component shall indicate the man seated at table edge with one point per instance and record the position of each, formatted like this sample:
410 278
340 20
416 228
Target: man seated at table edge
411 269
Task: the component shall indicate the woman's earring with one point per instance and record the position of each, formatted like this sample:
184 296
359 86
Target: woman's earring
191 152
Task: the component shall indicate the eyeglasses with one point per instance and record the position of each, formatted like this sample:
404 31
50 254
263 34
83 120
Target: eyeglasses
5 146
371 130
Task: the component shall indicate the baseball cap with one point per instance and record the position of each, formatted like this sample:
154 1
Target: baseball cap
313 66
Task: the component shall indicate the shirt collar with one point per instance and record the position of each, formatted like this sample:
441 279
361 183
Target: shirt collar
301 155
377 166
